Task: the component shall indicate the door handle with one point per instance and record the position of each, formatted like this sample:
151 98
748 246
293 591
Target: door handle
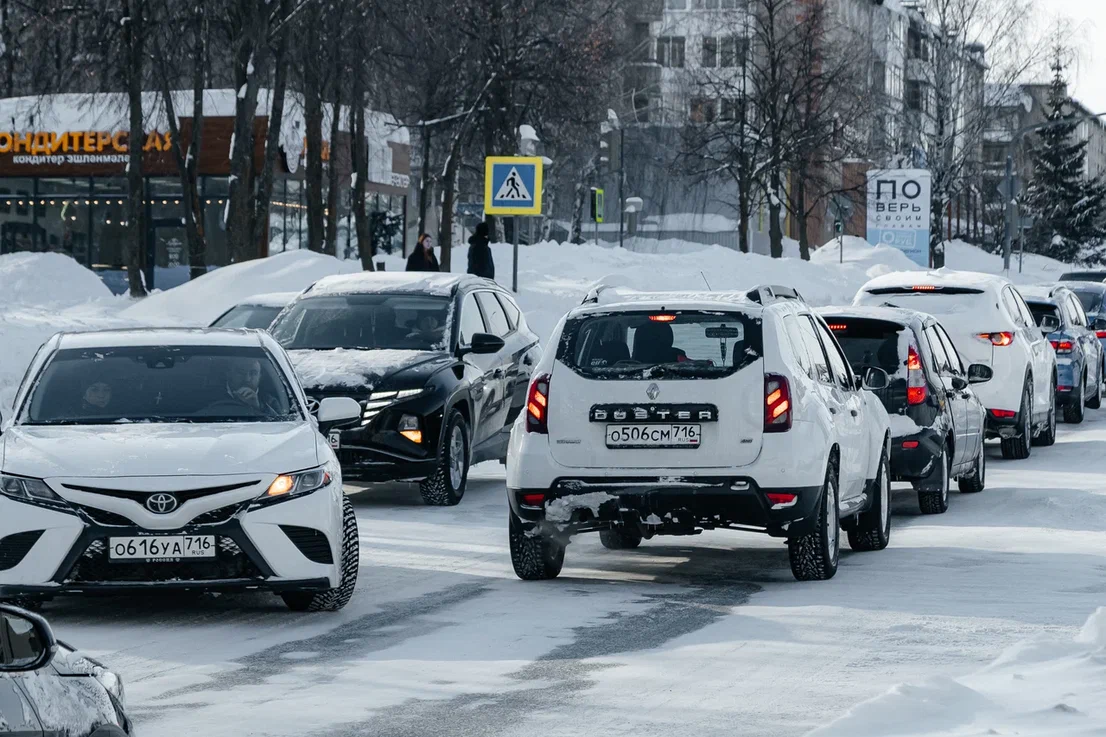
833 410
853 412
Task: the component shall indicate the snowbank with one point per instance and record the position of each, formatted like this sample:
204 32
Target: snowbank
1036 269
198 302
1034 689
42 294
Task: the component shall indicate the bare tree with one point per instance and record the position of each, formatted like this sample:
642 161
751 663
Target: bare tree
133 20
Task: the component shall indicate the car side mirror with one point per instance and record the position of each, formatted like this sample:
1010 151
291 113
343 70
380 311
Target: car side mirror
30 643
979 373
1049 324
334 411
482 344
874 379
959 383
1100 323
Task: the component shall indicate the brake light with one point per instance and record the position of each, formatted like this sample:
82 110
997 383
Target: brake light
777 404
838 326
1061 346
781 500
999 339
916 390
924 288
537 405
1100 333
533 499
910 444
1004 414
662 318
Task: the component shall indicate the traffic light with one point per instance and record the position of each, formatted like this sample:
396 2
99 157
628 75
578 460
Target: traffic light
597 205
610 146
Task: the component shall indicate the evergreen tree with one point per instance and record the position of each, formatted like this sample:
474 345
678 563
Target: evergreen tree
1068 208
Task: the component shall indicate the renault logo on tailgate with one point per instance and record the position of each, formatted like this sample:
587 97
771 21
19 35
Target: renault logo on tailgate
161 503
653 391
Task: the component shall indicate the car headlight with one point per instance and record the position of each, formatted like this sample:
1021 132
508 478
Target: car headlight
32 491
378 401
288 485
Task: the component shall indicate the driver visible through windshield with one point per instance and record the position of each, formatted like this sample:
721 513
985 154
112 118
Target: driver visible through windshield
365 321
160 384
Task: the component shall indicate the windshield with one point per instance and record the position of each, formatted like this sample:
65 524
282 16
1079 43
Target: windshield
1090 299
872 342
248 316
976 304
160 384
1095 276
366 321
645 345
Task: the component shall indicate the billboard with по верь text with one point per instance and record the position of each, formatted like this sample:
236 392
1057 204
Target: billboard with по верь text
898 211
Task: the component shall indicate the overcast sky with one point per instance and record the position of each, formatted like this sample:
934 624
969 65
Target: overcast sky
1088 19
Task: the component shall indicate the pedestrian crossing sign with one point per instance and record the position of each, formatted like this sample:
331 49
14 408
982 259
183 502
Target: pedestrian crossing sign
512 185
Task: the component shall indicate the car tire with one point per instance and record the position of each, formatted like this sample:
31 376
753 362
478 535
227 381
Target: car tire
446 486
814 556
978 480
30 603
1074 410
1020 446
535 557
1095 400
936 501
620 538
872 530
1047 438
338 597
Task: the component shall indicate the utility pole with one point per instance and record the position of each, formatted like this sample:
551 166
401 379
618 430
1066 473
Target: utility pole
621 184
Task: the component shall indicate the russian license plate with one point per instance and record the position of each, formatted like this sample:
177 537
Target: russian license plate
654 436
334 437
162 547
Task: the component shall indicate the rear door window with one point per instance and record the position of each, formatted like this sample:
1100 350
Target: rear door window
647 345
955 363
510 309
1090 301
798 345
1023 309
472 321
1078 316
814 348
1011 305
842 374
937 349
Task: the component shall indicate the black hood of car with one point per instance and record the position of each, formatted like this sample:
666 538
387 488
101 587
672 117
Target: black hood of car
366 370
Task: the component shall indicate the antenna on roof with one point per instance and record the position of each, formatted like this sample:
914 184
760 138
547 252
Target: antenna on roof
705 281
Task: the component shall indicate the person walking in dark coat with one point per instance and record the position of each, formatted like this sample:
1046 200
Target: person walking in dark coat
480 253
423 258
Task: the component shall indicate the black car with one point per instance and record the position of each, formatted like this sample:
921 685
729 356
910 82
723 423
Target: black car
1093 298
257 311
1089 275
47 688
937 422
439 362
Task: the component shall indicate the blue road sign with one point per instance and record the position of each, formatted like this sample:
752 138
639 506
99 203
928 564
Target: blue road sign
512 185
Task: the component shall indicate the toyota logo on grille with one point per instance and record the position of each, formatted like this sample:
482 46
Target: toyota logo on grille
653 391
161 503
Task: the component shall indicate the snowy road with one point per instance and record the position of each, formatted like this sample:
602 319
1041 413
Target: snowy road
701 636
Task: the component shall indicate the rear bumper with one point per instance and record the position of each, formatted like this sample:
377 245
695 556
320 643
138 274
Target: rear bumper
659 506
915 464
1001 427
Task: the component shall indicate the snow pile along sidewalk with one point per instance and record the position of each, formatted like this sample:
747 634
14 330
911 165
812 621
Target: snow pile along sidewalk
1034 689
42 294
198 302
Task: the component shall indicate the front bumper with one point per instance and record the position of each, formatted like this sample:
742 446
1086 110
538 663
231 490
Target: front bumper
292 545
368 463
659 506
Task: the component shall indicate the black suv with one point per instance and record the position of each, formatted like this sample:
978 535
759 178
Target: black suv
937 422
439 362
47 688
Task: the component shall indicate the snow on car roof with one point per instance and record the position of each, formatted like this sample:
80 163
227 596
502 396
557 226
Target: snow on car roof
937 277
1038 292
269 299
1086 286
368 282
614 300
159 337
900 315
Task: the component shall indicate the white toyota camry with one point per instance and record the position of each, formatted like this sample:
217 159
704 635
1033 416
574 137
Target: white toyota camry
172 459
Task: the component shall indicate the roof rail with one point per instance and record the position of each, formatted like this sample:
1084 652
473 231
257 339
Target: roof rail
766 293
592 297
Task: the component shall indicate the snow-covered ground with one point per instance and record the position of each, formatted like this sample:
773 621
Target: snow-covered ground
981 614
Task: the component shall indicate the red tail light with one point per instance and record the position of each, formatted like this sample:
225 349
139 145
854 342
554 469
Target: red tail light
782 501
537 405
910 444
662 318
999 339
777 404
1100 333
916 390
1004 414
533 500
1061 346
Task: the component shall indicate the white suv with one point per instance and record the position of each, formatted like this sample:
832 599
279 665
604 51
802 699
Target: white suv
668 414
990 324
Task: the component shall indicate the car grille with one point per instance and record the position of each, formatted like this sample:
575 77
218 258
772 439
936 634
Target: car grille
230 562
14 548
312 543
104 517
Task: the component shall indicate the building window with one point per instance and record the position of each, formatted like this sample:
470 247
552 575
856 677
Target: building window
702 110
894 82
731 109
643 44
915 95
916 47
710 52
733 52
675 4
641 107
670 51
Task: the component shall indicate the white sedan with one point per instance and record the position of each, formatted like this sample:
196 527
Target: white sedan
172 459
